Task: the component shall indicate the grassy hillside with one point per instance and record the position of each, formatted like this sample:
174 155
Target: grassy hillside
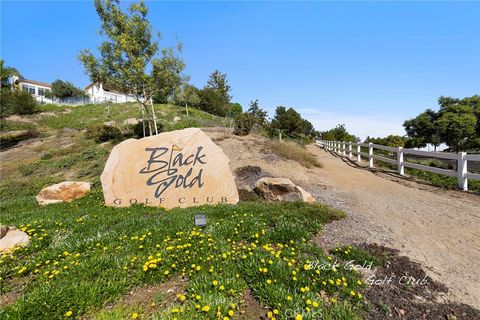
62 150
84 257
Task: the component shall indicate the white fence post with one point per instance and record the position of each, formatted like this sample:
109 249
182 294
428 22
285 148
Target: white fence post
462 171
343 148
350 150
400 161
370 155
335 148
359 149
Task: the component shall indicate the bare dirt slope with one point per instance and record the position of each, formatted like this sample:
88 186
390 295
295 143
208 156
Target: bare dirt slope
438 228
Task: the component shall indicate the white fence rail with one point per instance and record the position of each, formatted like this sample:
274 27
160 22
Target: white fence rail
352 149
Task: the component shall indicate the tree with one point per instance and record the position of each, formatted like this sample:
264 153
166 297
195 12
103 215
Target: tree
65 89
290 122
188 95
339 133
168 72
389 141
258 113
457 126
286 120
423 130
219 83
457 123
235 109
129 60
212 102
6 73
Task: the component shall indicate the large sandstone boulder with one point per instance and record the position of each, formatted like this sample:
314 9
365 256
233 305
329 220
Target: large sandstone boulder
245 178
62 192
180 168
12 237
281 189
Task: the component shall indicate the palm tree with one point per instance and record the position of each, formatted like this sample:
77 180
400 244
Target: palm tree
6 73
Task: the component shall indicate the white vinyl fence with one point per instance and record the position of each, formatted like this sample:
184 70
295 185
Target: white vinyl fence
351 149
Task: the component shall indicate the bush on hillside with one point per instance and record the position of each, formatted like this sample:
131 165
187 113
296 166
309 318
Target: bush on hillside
16 102
103 133
244 123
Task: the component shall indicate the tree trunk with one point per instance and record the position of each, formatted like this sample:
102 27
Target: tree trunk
149 121
154 117
186 108
143 121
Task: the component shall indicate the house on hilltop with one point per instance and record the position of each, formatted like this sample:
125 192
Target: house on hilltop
36 88
96 93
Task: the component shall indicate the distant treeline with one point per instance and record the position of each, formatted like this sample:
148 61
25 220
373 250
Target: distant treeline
456 123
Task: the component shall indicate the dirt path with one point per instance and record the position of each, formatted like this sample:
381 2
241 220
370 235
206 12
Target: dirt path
440 229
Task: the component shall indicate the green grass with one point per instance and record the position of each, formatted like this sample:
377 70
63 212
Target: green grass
6 125
435 179
81 117
358 255
442 181
84 255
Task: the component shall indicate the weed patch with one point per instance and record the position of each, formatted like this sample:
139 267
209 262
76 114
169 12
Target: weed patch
294 151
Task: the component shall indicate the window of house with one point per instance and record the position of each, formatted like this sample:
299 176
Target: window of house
29 89
42 91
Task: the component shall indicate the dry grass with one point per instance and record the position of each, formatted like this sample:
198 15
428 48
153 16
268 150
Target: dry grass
294 151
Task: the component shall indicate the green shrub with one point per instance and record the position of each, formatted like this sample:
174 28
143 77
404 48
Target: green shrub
244 123
16 102
104 133
185 123
136 130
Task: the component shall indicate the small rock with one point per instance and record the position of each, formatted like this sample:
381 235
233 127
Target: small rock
176 119
13 238
62 192
131 121
3 231
281 189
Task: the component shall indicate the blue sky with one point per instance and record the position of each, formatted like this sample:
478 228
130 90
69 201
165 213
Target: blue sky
369 65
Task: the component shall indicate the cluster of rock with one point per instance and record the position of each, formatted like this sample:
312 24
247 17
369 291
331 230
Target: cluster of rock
11 237
253 184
